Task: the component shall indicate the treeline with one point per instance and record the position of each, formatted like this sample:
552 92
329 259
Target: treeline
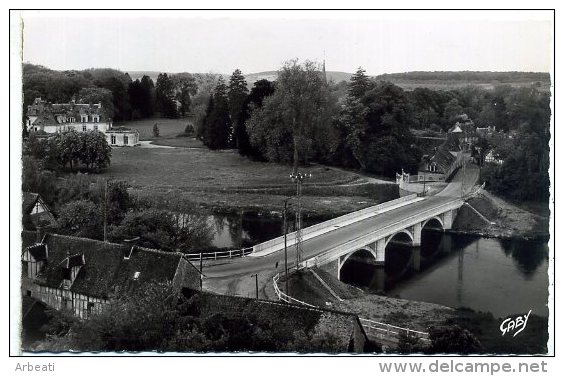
467 76
368 124
123 98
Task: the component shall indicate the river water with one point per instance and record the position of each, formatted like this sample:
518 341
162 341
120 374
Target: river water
504 277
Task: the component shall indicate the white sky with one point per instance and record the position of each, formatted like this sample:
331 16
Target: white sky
379 41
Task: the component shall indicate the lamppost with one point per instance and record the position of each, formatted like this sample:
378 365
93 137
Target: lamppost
286 243
299 177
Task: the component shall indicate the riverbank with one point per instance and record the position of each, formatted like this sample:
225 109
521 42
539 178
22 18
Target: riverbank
305 286
498 218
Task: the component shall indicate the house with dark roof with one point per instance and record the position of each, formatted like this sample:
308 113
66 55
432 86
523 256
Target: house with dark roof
51 118
440 166
83 275
35 213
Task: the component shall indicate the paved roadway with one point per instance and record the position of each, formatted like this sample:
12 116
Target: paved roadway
235 277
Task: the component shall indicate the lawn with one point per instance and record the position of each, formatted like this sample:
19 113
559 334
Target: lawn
167 127
223 180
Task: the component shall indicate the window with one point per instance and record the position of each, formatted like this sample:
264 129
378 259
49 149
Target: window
84 118
89 307
95 127
28 292
113 139
125 139
84 127
96 119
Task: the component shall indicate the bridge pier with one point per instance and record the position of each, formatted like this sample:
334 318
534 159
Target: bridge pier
448 218
416 231
379 248
416 258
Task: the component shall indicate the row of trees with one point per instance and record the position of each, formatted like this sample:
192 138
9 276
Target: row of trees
122 97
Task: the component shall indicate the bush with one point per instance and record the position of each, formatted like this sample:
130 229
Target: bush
453 340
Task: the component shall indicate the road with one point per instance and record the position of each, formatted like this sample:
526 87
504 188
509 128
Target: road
234 277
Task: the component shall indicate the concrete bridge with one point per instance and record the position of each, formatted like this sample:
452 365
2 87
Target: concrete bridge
368 230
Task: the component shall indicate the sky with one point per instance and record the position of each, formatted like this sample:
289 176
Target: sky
220 42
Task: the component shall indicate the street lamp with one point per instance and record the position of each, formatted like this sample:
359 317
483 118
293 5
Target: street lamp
286 242
298 178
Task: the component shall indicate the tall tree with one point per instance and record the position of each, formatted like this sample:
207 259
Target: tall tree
217 126
147 105
359 85
260 91
164 96
185 87
290 117
237 94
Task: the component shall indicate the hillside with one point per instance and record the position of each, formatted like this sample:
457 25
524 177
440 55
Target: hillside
412 80
251 77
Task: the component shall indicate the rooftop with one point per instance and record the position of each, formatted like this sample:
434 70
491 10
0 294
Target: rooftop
105 269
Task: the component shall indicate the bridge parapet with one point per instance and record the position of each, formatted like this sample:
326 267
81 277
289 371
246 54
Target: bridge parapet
291 237
381 233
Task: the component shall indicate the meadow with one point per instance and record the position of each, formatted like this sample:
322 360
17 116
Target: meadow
225 181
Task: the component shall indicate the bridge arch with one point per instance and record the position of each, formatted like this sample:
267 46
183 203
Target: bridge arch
431 220
404 231
363 249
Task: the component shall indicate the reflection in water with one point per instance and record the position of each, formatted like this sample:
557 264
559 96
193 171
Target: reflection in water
503 277
247 229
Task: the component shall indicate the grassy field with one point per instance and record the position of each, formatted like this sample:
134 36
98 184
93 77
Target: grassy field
223 180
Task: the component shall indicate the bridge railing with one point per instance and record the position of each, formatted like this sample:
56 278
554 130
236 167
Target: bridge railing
363 240
218 255
375 329
291 237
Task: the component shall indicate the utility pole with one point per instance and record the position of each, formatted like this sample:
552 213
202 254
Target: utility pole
201 274
105 209
256 283
299 177
286 245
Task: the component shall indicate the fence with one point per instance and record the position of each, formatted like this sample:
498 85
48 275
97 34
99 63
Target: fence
291 237
375 329
219 254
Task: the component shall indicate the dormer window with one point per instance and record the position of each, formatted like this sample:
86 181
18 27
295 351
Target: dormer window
34 258
71 268
84 118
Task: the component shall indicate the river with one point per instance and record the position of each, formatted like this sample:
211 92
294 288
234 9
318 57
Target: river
504 277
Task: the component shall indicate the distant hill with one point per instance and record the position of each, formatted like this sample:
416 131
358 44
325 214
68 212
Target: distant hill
453 80
446 80
251 77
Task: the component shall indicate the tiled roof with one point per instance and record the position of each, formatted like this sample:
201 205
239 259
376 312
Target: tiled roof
46 112
105 271
444 160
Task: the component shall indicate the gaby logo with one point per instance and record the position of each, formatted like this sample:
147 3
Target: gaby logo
511 324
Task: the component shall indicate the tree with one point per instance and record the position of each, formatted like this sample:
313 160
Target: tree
259 92
164 96
359 85
147 98
290 117
93 95
185 87
237 95
69 148
217 123
95 152
81 218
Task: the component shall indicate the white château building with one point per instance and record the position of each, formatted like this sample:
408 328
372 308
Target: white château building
51 118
